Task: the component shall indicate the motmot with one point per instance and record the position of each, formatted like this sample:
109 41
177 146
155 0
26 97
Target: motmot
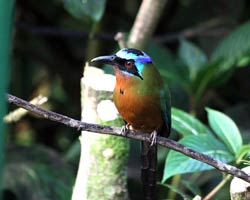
144 103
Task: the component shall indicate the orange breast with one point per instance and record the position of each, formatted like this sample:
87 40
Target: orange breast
140 109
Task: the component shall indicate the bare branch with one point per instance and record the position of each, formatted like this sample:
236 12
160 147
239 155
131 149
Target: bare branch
120 38
17 114
171 144
212 27
145 23
62 32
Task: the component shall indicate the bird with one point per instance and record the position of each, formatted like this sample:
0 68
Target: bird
143 101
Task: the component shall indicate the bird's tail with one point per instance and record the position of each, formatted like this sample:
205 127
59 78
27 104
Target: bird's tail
148 170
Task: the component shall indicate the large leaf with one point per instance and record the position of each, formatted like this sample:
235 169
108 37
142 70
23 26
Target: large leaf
192 57
177 163
235 46
167 64
84 9
225 129
186 124
208 76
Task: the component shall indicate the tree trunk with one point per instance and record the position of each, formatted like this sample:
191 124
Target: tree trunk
145 23
103 162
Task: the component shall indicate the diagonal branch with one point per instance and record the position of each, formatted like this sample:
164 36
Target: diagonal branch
171 144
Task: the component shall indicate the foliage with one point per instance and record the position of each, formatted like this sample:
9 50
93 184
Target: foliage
197 136
186 124
226 147
86 10
226 130
194 71
234 47
200 74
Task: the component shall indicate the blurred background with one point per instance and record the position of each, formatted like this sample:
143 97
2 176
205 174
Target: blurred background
202 49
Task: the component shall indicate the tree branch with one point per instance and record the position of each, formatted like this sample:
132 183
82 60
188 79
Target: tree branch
145 23
171 144
210 28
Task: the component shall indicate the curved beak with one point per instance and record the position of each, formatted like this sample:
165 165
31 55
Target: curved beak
105 59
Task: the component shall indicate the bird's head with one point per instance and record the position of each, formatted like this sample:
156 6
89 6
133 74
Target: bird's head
128 61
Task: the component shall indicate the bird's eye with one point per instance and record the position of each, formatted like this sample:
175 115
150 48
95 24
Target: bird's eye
129 64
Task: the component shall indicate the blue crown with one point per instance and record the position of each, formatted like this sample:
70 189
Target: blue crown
134 54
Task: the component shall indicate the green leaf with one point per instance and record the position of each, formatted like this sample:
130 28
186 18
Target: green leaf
192 57
233 47
85 9
244 151
225 129
208 76
243 61
167 64
177 163
186 124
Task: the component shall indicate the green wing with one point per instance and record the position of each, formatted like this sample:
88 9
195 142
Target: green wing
166 112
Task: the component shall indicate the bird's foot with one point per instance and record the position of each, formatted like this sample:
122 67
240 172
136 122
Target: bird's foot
125 129
153 136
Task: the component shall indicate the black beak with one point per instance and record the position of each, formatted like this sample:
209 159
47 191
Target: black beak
105 59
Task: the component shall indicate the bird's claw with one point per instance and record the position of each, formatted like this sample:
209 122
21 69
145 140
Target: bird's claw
153 136
124 130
